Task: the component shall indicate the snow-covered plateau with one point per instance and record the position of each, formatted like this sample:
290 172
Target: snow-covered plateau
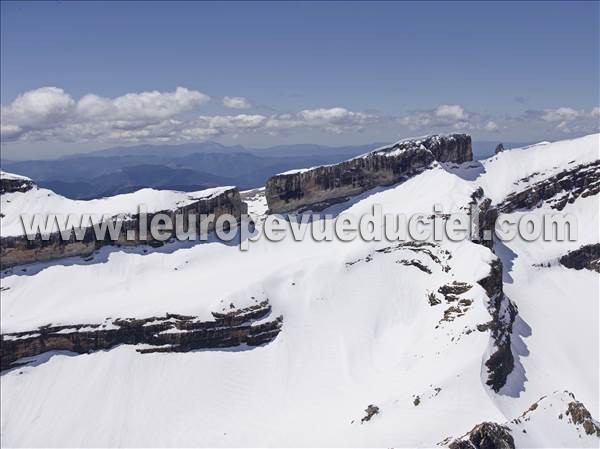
321 344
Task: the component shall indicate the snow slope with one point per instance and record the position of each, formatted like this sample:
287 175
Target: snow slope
358 329
44 201
13 177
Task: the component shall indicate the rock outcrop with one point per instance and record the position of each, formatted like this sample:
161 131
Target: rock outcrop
486 435
10 183
580 416
501 361
486 217
562 188
320 187
171 333
370 411
17 250
553 416
588 257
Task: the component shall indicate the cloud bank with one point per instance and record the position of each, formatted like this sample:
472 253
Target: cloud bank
236 103
51 114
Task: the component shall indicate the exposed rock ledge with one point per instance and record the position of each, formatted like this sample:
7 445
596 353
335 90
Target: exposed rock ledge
588 257
10 183
562 188
553 416
171 333
319 187
17 250
501 361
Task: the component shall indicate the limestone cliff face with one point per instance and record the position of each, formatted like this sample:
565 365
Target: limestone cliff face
321 186
17 250
565 187
10 183
588 257
171 333
501 361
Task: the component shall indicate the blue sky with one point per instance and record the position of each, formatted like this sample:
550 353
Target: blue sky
333 73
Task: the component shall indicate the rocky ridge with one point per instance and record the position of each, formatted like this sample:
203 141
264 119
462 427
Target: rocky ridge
501 361
10 183
560 189
588 257
556 414
17 250
171 333
320 187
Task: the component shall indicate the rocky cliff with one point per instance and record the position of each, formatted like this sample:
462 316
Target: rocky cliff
565 187
588 257
554 416
319 187
10 183
171 333
16 250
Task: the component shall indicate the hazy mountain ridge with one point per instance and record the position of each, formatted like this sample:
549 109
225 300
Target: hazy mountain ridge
185 167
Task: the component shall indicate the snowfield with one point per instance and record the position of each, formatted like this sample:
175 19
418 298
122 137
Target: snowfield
358 329
44 201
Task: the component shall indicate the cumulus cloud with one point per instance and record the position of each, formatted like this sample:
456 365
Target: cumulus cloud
236 103
561 114
564 119
491 126
37 108
334 120
143 106
240 121
51 113
444 116
10 132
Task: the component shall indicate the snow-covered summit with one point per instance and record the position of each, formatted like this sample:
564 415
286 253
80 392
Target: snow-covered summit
12 176
44 201
380 344
10 183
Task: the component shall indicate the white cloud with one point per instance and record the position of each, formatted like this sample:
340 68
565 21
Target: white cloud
141 106
564 119
50 113
240 121
491 126
10 132
452 112
444 116
561 115
236 103
334 120
38 108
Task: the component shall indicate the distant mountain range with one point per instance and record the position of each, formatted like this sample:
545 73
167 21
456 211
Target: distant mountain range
186 167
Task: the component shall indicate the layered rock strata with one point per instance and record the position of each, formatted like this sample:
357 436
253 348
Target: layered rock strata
560 189
556 414
10 183
586 257
319 187
17 250
171 333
